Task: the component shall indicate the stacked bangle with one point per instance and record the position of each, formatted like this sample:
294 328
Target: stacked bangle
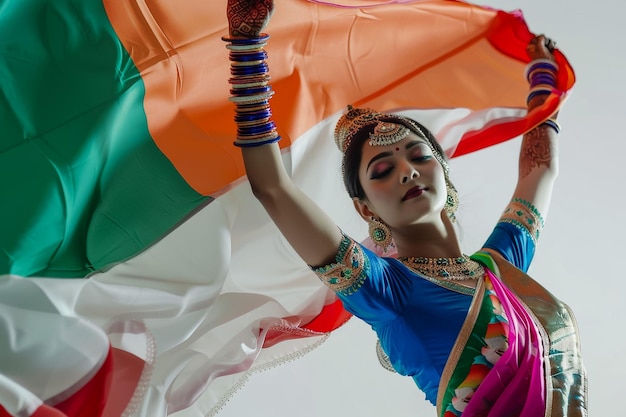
251 91
541 75
553 124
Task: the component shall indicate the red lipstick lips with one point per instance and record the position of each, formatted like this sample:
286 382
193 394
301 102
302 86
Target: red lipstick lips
413 192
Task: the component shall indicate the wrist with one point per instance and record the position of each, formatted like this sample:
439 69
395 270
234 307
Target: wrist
251 91
553 124
541 75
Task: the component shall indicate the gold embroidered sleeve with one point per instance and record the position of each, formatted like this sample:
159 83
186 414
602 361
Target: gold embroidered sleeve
525 216
349 271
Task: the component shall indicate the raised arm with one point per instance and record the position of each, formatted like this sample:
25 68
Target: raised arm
313 235
538 163
515 236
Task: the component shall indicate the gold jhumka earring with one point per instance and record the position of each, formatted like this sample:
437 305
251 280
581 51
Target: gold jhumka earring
380 233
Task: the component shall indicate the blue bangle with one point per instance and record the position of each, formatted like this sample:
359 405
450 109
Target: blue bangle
261 65
548 67
250 70
537 93
544 65
244 57
256 129
258 69
545 79
553 124
251 117
543 75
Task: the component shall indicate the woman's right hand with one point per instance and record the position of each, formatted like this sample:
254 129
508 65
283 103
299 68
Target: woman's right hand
247 18
541 47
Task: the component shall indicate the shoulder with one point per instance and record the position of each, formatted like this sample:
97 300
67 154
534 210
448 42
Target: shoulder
350 269
516 233
355 264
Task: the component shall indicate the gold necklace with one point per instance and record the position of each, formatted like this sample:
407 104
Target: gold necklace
452 269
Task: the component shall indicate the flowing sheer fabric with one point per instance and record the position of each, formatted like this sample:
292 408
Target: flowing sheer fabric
123 174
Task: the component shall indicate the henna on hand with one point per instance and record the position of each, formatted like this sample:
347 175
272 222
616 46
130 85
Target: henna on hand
247 18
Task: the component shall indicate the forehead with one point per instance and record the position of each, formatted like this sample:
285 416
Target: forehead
371 150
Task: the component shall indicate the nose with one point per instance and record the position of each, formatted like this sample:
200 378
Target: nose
409 173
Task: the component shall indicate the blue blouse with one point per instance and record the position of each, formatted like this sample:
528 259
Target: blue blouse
416 320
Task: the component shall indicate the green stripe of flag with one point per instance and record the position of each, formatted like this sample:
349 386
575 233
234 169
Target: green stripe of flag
83 186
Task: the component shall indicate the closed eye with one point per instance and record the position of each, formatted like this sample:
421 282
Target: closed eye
381 172
420 152
421 158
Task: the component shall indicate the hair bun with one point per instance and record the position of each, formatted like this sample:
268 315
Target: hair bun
351 122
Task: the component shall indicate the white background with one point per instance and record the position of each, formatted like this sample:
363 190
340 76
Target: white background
580 256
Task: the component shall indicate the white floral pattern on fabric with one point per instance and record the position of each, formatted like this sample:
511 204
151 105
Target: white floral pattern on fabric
350 269
523 215
495 342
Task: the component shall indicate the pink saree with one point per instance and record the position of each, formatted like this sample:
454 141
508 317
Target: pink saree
539 374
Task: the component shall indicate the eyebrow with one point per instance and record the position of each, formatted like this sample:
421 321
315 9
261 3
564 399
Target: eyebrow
386 154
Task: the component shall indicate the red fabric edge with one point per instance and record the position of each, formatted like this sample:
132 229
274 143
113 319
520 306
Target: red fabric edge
510 36
505 129
89 401
330 318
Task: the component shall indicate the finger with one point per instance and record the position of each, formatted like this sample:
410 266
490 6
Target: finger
550 44
545 41
541 47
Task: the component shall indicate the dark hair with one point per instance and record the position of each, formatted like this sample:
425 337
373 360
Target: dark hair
353 155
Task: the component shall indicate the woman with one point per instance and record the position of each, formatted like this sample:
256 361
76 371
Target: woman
476 334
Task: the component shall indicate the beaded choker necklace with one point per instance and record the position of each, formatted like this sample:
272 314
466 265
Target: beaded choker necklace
452 269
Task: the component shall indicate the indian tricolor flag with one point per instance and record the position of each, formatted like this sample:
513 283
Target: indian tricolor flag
139 274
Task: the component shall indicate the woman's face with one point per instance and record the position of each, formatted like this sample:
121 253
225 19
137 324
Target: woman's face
404 183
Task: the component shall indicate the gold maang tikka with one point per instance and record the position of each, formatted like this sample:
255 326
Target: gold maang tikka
387 133
355 119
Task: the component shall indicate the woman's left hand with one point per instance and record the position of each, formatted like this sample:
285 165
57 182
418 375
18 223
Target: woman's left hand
247 18
540 47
